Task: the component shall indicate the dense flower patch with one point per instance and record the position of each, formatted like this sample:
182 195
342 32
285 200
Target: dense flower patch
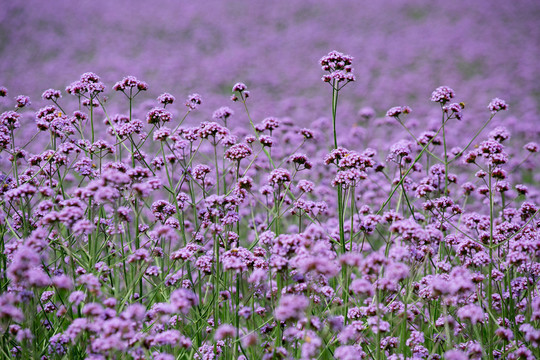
133 235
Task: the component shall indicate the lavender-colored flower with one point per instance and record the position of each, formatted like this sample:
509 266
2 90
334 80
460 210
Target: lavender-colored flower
22 101
318 264
339 67
51 94
141 254
183 300
349 352
238 152
531 147
300 161
442 94
497 105
454 109
278 177
168 337
348 178
57 344
311 345
270 123
77 297
307 133
398 110
291 307
212 129
223 113
239 87
157 116
10 119
305 186
238 259
225 331
131 83
163 209
471 312
193 102
88 83
162 356
455 355
266 140
166 99
162 134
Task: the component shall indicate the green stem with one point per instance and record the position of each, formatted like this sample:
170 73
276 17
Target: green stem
491 327
445 157
335 93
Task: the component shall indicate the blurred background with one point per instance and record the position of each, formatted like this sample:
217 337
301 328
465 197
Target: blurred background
402 49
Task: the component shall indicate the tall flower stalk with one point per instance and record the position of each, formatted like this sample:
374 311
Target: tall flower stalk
340 73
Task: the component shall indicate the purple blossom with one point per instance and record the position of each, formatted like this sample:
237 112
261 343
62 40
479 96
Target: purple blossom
398 110
497 105
442 94
291 307
471 312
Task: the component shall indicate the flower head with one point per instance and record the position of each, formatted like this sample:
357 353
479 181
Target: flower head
130 83
398 110
442 94
497 105
339 68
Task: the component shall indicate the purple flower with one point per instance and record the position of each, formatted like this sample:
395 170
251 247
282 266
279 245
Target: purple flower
130 82
266 140
270 123
212 129
442 94
339 68
471 312
311 345
239 87
454 109
348 178
238 152
24 260
183 300
169 337
8 308
223 114
278 177
225 331
88 83
51 94
163 209
291 307
57 344
238 259
22 101
531 147
157 116
162 356
10 119
162 134
455 355
166 99
193 101
497 105
398 110
305 186
77 297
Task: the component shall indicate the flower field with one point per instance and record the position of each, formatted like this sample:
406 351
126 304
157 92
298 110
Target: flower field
214 181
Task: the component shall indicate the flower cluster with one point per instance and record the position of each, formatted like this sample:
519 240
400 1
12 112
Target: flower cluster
339 67
251 242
